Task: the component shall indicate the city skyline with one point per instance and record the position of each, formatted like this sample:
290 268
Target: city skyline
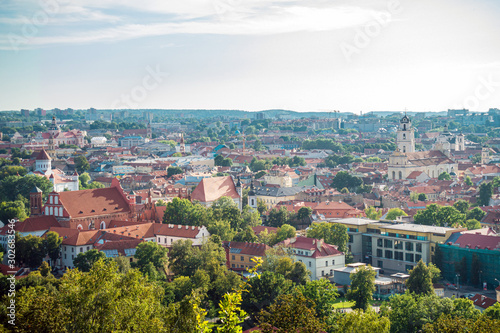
227 54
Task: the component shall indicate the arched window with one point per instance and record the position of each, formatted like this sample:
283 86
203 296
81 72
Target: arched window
400 175
79 227
404 149
404 136
253 202
51 211
46 210
60 211
51 200
56 200
394 175
404 127
103 225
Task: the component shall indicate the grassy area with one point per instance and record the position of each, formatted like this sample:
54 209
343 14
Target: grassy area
342 303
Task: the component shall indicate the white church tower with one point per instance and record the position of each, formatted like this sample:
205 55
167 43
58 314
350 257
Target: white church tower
406 136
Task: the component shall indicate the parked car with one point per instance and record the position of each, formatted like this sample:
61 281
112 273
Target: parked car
469 295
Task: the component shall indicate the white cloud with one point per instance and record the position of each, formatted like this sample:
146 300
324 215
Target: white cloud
243 21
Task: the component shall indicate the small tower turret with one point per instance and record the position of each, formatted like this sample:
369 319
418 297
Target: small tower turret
36 205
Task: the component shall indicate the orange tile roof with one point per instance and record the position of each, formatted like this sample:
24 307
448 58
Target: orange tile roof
37 223
211 189
92 202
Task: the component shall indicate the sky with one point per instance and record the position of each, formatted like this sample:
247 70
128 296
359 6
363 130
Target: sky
316 55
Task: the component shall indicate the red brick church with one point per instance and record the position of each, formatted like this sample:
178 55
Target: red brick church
88 209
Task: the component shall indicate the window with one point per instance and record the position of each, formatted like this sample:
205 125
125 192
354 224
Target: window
234 258
417 257
333 262
322 273
409 257
331 272
379 242
65 256
87 248
398 245
72 249
380 264
326 263
81 249
404 136
350 239
398 255
310 264
56 200
409 268
242 258
51 200
388 243
400 175
409 246
379 252
232 265
388 254
72 256
418 247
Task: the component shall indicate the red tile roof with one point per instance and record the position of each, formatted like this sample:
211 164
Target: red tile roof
37 223
474 241
253 249
92 202
211 189
260 228
175 230
483 301
319 247
42 156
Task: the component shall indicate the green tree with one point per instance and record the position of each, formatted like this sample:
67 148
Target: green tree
468 181
174 171
493 312
304 213
331 233
420 280
485 193
362 287
263 290
178 211
123 264
409 312
84 180
393 213
476 214
472 224
372 213
462 206
344 179
30 250
81 164
323 294
444 176
449 216
286 231
435 272
261 206
290 313
422 197
151 253
277 218
53 246
362 322
84 261
12 210
449 323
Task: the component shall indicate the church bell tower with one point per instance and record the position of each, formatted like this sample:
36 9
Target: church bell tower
406 136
